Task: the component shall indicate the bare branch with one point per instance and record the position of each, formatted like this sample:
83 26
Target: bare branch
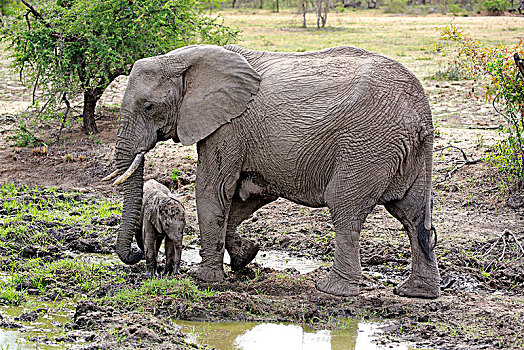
33 10
520 63
459 164
504 240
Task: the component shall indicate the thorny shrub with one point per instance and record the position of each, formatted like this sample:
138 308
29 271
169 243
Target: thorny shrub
504 88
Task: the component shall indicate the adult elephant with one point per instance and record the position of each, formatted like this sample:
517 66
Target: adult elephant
342 127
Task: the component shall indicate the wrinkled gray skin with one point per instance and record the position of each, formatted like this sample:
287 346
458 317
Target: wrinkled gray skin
342 128
162 217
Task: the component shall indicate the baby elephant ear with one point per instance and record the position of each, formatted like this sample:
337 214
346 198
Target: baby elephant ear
218 86
157 218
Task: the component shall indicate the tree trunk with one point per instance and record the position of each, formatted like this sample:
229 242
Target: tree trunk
304 10
322 10
88 115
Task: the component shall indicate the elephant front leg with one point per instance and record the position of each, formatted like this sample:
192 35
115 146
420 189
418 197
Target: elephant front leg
173 256
212 222
214 193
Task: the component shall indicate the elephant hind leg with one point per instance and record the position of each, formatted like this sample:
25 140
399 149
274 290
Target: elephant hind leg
424 280
349 206
242 250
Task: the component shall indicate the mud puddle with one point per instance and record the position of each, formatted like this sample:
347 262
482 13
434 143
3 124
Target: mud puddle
36 324
254 336
273 259
190 256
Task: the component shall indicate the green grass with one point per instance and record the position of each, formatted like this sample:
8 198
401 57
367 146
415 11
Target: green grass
29 214
10 296
179 288
66 277
51 205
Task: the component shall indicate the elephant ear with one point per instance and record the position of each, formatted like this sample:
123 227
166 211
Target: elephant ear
156 218
218 86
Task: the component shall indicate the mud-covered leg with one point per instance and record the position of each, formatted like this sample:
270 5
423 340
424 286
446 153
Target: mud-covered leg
173 256
217 176
241 249
344 276
424 280
349 206
150 248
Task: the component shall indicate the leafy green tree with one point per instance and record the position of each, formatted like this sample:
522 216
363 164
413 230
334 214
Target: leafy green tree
504 83
68 48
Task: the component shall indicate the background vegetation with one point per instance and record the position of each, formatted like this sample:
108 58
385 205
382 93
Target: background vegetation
78 47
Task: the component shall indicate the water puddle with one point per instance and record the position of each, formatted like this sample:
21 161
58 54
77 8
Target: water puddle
34 325
190 256
261 336
273 259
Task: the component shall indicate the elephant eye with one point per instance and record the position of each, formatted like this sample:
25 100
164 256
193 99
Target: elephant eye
148 106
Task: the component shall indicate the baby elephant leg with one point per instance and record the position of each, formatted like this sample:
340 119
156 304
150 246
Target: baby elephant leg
173 256
150 247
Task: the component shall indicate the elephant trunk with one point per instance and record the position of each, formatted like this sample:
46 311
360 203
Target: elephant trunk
133 189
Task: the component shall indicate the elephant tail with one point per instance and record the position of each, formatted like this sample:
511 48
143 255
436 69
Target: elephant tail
428 160
427 235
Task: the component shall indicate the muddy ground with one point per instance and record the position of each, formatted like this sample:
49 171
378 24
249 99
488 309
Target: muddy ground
482 302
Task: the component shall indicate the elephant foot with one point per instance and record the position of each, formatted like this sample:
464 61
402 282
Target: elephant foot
208 274
150 270
249 252
417 287
336 285
171 269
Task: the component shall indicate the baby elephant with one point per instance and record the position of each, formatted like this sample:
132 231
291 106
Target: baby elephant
162 216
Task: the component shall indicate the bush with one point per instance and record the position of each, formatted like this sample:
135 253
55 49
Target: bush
8 7
395 6
68 48
505 90
496 6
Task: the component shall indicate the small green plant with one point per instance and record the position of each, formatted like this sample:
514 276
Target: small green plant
10 296
177 288
23 137
175 174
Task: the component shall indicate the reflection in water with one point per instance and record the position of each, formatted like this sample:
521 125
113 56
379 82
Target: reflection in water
263 336
285 337
49 324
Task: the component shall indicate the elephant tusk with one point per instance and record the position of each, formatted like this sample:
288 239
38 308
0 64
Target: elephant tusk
132 168
111 176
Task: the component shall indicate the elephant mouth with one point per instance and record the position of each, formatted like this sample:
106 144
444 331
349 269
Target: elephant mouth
130 171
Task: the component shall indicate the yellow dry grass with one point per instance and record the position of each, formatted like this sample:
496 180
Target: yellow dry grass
404 38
